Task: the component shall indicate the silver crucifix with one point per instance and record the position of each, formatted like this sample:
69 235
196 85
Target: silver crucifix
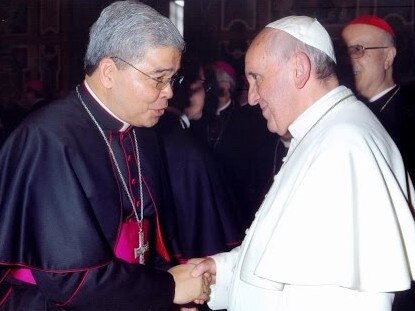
142 248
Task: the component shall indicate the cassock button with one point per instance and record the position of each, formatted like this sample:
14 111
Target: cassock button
133 181
129 157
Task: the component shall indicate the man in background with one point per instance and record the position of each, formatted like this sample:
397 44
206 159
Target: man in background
371 48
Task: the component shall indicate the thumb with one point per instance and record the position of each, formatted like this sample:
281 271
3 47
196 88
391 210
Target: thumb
199 269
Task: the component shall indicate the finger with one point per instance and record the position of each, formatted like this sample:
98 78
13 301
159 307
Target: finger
206 291
199 269
213 281
207 277
204 296
199 301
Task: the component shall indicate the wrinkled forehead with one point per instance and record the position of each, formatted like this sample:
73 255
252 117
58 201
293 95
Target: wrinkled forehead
260 44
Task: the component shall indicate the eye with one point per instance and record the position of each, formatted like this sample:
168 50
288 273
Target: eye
258 79
160 79
355 48
252 77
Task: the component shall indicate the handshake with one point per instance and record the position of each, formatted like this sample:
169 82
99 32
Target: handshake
193 280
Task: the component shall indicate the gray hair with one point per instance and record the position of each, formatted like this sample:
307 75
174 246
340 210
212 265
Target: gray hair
128 29
287 45
324 66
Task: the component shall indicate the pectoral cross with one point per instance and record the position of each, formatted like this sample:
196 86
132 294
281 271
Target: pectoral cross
142 248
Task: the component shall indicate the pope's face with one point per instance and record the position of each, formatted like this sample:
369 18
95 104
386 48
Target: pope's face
269 85
370 69
135 96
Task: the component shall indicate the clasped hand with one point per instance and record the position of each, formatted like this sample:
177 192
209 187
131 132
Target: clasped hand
190 288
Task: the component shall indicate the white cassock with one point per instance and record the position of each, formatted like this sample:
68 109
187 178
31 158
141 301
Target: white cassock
335 232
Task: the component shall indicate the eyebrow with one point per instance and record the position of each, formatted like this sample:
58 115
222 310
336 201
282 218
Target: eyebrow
162 72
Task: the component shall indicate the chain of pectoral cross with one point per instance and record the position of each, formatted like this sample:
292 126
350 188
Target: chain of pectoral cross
143 247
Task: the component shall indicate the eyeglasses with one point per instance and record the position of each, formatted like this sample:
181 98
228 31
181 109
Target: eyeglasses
161 83
357 51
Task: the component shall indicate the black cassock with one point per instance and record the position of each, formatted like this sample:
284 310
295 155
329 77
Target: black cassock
63 207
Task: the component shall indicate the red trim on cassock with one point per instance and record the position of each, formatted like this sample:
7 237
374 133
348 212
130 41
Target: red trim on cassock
160 244
75 291
7 295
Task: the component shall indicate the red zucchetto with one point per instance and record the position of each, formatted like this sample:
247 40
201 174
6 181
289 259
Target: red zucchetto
373 20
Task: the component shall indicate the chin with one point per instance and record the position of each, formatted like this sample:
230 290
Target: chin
153 122
272 128
145 123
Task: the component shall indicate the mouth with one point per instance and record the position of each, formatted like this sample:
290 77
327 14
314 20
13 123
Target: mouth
159 112
262 106
264 110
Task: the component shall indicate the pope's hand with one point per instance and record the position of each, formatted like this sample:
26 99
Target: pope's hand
204 266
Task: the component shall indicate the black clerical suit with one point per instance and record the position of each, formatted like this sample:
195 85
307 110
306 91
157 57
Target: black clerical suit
245 149
396 111
205 204
62 208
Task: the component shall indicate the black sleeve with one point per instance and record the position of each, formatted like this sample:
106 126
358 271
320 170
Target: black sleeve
116 286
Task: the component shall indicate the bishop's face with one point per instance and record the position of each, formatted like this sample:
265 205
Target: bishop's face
137 96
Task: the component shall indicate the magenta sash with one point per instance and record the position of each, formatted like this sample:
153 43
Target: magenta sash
128 240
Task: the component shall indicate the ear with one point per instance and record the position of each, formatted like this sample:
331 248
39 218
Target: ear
107 70
302 67
390 57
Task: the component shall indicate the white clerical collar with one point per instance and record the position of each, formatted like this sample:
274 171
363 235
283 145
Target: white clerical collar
223 107
125 124
184 121
311 115
286 142
379 95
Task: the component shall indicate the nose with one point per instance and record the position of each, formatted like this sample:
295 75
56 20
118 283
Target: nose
253 96
167 91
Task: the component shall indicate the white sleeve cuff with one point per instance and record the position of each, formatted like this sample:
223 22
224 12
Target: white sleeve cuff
225 265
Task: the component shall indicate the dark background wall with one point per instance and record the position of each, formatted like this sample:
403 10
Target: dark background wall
46 39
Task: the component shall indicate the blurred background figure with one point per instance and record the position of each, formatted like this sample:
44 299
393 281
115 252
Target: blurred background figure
14 111
205 204
226 104
34 96
11 113
248 154
371 47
